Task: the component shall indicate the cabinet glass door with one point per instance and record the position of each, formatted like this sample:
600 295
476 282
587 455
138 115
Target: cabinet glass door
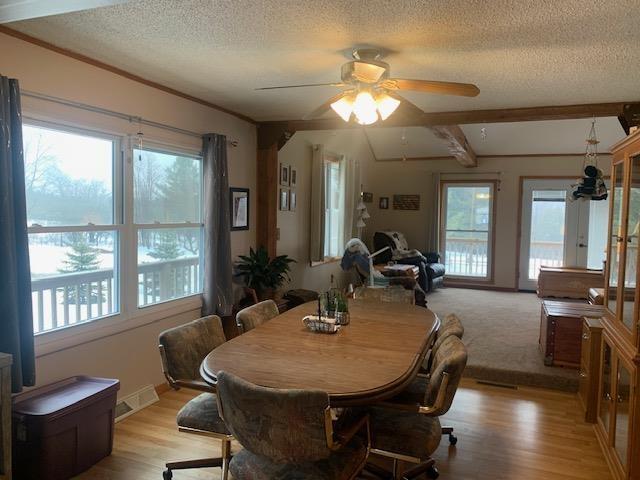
633 226
616 237
604 412
623 391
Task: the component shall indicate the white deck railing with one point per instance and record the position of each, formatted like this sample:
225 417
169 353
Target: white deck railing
72 298
469 256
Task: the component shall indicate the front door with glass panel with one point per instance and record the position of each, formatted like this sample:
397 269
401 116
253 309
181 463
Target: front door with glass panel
557 232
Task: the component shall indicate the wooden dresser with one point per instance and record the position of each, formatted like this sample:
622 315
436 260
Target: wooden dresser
561 331
618 419
568 282
5 416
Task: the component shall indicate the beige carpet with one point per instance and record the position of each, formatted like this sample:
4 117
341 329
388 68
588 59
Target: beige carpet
501 333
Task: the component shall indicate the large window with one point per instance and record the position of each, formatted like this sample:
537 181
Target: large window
91 215
334 207
467 229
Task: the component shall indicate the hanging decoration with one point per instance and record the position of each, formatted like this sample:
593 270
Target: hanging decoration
591 186
362 214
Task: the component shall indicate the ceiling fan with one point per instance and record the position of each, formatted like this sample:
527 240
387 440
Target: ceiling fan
370 93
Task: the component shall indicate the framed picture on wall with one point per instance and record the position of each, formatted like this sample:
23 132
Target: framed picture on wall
384 203
239 208
284 175
292 200
284 199
293 177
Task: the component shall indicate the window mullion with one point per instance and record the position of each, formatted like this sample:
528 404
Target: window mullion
128 253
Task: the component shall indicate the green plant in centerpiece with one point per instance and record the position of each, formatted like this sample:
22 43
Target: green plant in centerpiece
262 273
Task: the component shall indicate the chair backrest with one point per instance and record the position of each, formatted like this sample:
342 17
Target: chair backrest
451 325
255 315
450 358
392 294
183 348
287 426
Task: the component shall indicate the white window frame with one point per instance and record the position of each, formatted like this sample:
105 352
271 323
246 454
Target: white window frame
329 160
492 185
128 315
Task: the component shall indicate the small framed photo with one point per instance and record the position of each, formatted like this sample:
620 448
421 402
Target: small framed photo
367 197
239 208
284 199
292 200
293 177
284 175
383 204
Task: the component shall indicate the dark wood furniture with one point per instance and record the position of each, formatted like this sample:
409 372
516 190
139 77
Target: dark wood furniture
5 416
561 331
590 367
618 423
376 356
565 282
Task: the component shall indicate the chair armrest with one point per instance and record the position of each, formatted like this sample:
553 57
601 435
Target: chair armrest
341 437
432 257
424 409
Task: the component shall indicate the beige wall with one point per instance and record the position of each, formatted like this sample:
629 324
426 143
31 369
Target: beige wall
130 356
294 226
415 177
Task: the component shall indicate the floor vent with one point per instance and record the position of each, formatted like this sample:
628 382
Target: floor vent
136 402
500 385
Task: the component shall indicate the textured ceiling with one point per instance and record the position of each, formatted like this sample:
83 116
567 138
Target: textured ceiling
519 52
520 138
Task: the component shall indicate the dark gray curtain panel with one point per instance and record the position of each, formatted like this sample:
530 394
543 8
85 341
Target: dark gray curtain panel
16 321
218 269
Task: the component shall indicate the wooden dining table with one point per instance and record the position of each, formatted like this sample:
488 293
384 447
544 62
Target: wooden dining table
373 358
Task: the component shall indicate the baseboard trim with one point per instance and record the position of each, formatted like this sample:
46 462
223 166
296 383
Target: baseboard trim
162 388
476 286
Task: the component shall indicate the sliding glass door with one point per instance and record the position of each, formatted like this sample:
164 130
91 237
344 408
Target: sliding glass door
467 230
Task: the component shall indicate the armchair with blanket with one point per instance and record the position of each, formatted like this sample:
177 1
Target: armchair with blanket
431 270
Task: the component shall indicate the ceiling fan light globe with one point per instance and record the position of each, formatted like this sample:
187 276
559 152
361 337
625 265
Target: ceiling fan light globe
386 105
343 107
365 108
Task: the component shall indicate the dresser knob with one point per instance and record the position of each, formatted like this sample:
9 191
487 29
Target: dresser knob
583 374
585 336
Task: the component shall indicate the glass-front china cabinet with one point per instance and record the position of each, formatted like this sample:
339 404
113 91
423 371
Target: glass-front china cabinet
618 425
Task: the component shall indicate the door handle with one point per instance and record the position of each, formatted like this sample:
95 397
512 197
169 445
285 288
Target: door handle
582 245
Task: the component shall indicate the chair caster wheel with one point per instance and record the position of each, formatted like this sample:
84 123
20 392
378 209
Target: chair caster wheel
433 472
453 439
167 475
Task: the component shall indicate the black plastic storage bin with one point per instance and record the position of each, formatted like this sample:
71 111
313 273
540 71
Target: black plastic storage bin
62 429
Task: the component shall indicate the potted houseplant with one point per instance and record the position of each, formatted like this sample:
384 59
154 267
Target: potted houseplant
262 273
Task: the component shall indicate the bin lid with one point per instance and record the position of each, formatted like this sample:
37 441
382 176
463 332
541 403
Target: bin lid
63 396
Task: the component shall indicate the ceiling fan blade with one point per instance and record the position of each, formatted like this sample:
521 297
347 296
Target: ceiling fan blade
304 85
324 107
430 86
406 107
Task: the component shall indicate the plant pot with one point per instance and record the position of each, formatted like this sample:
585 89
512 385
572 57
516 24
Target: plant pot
266 294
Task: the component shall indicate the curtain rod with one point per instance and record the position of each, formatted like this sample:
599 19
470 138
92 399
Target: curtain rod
112 113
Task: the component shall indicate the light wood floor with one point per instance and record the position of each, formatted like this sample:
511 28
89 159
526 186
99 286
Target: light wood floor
503 434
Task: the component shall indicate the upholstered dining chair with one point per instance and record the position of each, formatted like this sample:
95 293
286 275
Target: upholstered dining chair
250 317
392 294
412 432
182 350
289 434
451 325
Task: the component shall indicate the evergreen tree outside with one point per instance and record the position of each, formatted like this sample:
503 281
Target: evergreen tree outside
82 258
166 248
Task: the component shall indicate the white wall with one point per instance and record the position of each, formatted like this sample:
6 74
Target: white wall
294 226
130 356
385 179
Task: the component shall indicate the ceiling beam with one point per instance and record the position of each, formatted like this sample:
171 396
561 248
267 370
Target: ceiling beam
527 114
457 144
510 155
16 10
